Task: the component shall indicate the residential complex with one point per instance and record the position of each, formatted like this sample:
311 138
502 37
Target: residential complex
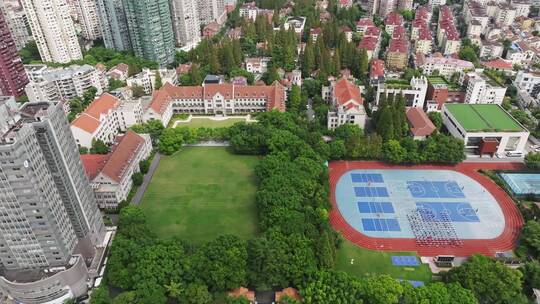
482 89
13 78
444 66
110 174
53 30
114 26
186 23
18 26
88 17
414 92
150 29
50 220
56 84
222 99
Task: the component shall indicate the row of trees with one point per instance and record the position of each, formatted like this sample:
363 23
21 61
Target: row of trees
153 271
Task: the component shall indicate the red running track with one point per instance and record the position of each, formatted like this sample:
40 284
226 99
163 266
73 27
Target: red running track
504 242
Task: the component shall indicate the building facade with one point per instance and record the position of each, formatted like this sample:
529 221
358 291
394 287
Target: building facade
18 26
88 18
114 26
347 105
53 30
111 174
214 99
414 94
482 89
150 29
54 84
485 128
186 23
13 77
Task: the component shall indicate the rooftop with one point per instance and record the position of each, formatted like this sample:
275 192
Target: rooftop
484 118
420 123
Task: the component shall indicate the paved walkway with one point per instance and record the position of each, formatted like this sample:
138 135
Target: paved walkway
147 178
209 143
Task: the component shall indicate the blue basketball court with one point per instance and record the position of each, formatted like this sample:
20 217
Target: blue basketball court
379 202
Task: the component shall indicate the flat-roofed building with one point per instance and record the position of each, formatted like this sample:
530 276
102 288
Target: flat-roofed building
485 128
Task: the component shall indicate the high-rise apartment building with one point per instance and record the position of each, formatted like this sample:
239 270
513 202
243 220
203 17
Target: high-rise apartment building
18 26
13 77
113 23
88 18
211 10
150 29
186 23
50 225
53 30
48 209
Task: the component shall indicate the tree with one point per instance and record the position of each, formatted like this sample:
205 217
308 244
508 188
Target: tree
158 83
137 178
99 147
531 276
127 297
489 280
532 160
385 123
468 53
170 141
115 84
331 287
29 53
88 96
137 91
294 99
174 290
436 119
197 294
100 295
153 127
529 242
144 165
221 263
393 152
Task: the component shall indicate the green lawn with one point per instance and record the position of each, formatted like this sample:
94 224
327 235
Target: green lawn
209 123
369 262
200 193
483 117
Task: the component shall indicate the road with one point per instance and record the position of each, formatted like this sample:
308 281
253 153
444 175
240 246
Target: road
147 178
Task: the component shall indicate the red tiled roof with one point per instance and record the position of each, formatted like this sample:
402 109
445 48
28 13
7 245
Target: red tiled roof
289 292
399 32
420 123
393 18
424 33
89 120
344 91
398 46
372 31
122 155
242 292
368 43
499 64
316 31
365 22
377 68
274 94
93 164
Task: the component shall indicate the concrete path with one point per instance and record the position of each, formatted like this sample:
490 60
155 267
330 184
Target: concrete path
147 178
209 143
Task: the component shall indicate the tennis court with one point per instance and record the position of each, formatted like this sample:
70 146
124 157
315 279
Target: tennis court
523 183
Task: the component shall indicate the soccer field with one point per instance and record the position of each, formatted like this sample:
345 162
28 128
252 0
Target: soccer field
200 193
